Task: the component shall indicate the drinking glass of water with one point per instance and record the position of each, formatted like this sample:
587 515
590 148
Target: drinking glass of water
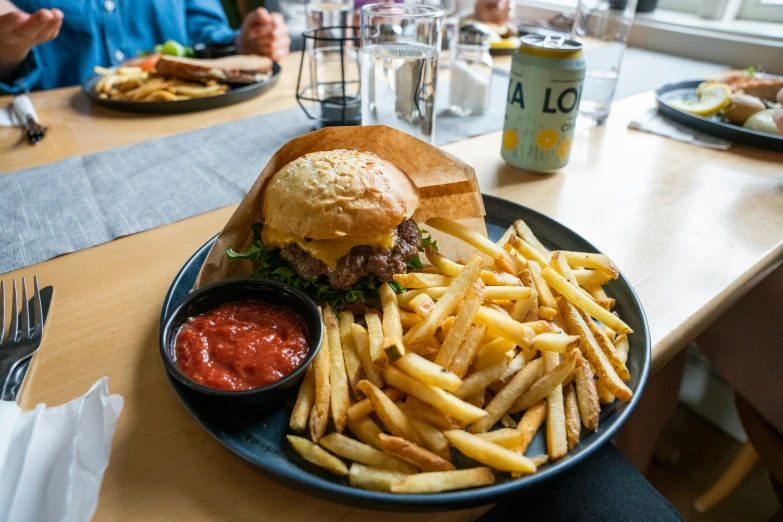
328 13
399 66
603 27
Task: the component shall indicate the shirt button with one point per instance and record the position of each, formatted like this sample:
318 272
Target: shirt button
109 5
119 55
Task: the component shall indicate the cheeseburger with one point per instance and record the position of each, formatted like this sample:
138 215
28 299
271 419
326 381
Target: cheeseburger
335 223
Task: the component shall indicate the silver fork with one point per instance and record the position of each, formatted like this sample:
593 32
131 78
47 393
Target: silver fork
21 343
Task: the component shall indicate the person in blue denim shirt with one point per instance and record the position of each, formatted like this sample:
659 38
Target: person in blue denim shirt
46 44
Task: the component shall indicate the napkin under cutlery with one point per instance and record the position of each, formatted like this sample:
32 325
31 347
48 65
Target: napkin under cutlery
655 123
52 460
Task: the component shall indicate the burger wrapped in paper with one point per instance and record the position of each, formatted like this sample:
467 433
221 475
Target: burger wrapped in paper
338 221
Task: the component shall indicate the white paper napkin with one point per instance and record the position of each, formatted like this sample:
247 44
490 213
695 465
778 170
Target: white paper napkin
52 459
653 122
21 104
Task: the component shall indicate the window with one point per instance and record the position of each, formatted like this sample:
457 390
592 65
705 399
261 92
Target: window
687 6
728 10
761 10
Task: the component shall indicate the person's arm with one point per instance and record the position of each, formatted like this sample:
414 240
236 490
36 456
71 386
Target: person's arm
206 22
19 34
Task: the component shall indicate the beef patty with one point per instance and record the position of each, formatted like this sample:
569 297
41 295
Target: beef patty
360 261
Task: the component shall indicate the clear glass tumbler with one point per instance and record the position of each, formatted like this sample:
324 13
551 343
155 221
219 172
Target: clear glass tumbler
399 66
328 13
603 27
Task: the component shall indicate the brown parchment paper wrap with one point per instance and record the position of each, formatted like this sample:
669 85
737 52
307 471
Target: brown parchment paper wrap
447 188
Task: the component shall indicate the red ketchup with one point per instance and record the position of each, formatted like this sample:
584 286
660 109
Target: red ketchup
240 346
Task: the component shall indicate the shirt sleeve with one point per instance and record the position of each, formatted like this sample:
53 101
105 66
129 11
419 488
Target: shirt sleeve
27 75
207 22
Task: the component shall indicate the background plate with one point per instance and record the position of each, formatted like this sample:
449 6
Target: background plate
711 126
259 439
235 95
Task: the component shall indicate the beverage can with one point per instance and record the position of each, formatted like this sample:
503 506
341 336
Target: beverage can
545 86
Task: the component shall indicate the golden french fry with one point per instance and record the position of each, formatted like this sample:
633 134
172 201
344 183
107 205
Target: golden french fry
433 439
467 350
488 453
525 233
317 455
319 416
600 297
573 423
506 398
422 305
530 423
380 361
545 384
513 368
364 454
595 261
546 313
527 251
414 454
445 402
607 347
200 92
553 342
362 340
556 437
470 305
545 297
604 395
586 394
390 414
428 346
353 364
408 319
589 346
446 304
365 477
587 277
478 381
453 269
364 407
304 401
338 379
506 293
485 360
502 325
418 280
392 324
472 238
575 296
437 482
540 326
429 372
622 347
365 430
416 409
507 234
476 400
507 437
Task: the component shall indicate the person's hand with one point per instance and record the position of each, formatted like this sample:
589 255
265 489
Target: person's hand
493 11
20 32
264 33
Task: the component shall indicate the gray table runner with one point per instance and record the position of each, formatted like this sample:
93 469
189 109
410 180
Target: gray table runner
80 202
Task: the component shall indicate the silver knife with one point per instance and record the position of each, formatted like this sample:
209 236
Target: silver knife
17 375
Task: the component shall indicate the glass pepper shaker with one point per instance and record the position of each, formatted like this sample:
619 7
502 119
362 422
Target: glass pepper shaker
471 71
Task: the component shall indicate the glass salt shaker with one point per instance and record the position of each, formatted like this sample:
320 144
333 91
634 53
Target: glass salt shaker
471 71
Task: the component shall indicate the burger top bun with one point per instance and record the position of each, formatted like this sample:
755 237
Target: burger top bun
337 193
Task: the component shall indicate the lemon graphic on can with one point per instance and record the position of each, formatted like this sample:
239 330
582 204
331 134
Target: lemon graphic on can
546 139
510 139
564 149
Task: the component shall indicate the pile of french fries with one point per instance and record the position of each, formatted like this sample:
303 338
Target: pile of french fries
134 84
470 356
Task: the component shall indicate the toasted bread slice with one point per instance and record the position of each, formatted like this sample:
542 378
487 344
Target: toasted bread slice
241 68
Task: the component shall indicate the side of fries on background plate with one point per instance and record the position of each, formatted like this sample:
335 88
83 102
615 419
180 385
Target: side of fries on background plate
136 84
476 356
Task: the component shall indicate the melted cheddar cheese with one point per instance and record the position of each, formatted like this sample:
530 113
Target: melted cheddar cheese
327 250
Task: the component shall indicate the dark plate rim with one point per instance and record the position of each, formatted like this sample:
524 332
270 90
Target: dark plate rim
234 95
716 128
313 485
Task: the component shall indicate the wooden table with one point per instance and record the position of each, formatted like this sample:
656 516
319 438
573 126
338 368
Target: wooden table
692 228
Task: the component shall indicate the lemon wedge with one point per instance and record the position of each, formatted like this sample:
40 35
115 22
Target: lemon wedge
712 98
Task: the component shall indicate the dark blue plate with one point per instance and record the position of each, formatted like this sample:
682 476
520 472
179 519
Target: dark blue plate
260 439
237 94
711 126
